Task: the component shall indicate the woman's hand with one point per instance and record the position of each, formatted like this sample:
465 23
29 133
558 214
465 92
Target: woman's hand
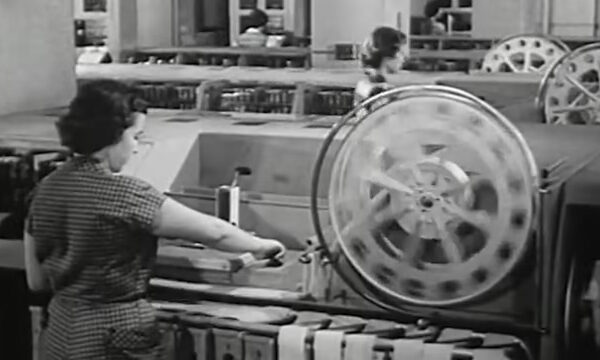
269 249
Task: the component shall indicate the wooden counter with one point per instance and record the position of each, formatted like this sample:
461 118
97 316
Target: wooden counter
197 74
499 89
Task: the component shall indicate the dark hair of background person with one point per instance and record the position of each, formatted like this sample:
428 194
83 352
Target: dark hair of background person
386 42
433 6
98 115
257 18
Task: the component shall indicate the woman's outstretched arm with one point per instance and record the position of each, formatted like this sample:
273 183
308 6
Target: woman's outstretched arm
175 220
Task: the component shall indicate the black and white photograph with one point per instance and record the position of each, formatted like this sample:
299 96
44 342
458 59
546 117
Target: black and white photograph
299 180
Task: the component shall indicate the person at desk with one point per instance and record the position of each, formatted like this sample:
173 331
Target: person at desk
91 234
379 55
255 34
258 35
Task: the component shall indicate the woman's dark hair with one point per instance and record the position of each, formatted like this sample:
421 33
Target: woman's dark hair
433 6
257 18
98 115
384 42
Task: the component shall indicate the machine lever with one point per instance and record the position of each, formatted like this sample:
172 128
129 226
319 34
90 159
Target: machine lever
248 260
240 171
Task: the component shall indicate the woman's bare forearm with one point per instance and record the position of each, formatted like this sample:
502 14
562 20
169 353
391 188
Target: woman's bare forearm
178 221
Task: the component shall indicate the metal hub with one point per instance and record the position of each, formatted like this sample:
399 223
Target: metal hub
430 179
427 201
524 54
570 90
431 197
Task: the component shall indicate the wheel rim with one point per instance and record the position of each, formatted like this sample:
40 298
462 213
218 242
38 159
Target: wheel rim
416 221
570 90
524 54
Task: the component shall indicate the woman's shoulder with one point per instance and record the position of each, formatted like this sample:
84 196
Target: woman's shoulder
131 182
138 190
97 184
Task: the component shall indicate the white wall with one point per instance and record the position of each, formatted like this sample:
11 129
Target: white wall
497 19
351 21
155 23
417 7
573 17
532 14
122 28
37 54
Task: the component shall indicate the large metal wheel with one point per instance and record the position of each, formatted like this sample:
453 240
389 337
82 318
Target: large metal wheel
432 196
570 90
524 54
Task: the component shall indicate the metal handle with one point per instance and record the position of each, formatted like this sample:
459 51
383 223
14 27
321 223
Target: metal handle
248 260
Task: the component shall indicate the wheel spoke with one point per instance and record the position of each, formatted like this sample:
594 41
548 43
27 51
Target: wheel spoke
378 177
527 66
454 189
458 188
400 215
449 242
452 249
510 64
577 99
570 109
417 174
412 251
582 88
383 216
478 218
376 212
561 120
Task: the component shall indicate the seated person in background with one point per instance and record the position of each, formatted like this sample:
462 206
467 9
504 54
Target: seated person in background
255 35
379 55
258 35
